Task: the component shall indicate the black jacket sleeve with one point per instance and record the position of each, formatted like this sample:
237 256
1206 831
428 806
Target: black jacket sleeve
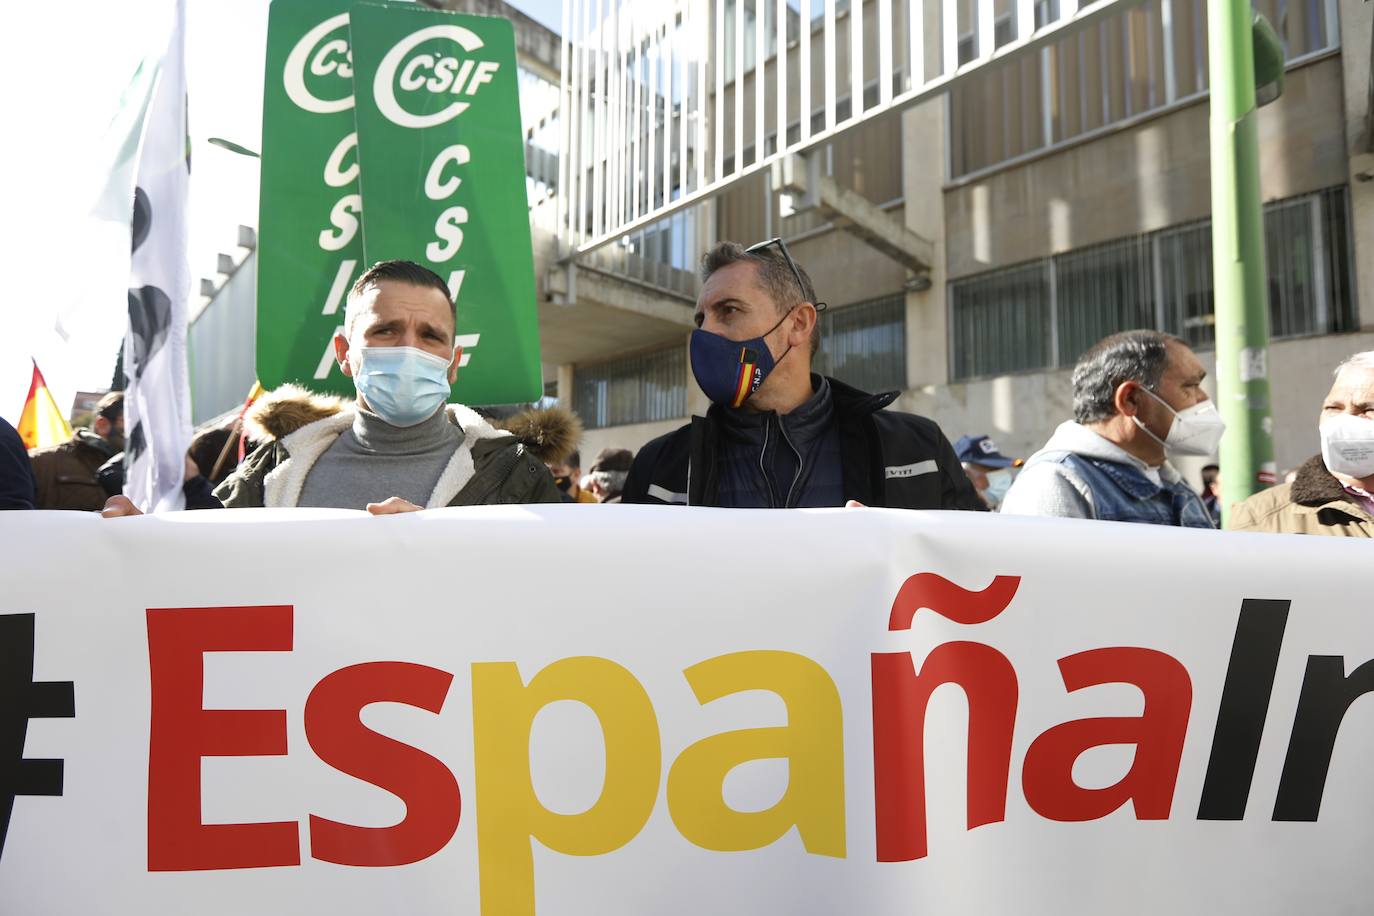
959 491
17 489
919 469
198 494
641 474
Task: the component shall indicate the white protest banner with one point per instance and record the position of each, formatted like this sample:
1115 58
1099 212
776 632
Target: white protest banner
574 710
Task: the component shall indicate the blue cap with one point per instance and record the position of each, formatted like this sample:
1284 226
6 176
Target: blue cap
982 450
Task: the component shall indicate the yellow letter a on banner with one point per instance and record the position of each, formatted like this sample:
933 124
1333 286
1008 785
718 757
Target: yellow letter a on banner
812 742
509 812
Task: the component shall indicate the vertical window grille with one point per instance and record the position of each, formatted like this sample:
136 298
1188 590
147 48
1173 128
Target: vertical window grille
1000 322
1107 73
1102 290
634 389
1003 321
1185 271
864 345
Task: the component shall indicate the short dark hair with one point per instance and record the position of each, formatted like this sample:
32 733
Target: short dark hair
403 272
774 274
205 450
1131 356
110 406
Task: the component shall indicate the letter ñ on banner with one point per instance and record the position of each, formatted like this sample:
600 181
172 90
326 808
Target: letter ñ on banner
22 699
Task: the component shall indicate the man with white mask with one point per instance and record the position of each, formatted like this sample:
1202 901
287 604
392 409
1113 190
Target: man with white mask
1331 493
1137 401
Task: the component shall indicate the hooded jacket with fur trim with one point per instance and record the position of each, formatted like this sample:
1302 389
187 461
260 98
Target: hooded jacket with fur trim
1314 503
297 427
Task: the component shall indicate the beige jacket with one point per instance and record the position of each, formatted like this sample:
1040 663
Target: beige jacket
1314 503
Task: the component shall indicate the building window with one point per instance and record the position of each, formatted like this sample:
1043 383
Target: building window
1047 313
635 389
864 344
1132 62
1102 290
1000 322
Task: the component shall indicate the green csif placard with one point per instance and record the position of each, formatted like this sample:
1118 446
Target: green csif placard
310 245
442 160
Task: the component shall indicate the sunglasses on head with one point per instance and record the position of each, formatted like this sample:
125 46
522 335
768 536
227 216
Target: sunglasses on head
791 264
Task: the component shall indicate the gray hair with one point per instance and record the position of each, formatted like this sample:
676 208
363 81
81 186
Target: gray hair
612 483
1131 356
1363 360
775 276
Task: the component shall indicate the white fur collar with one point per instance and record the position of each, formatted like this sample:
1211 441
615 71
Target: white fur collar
283 485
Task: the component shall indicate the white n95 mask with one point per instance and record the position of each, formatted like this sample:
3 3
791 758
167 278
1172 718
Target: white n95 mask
1348 445
1196 430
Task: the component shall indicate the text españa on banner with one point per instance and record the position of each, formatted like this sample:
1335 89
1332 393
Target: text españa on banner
505 706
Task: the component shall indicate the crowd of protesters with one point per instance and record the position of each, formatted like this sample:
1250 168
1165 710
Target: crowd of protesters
777 434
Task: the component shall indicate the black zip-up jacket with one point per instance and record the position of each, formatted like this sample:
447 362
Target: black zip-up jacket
890 459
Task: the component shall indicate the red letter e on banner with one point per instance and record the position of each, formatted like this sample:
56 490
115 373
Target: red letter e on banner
182 732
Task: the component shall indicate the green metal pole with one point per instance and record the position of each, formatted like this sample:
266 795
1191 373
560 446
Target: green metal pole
1238 271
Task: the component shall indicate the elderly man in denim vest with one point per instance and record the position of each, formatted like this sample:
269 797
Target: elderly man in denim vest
1137 400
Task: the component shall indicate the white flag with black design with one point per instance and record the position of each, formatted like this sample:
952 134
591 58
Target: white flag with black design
157 401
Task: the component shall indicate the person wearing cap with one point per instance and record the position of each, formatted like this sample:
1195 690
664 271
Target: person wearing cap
1137 400
990 472
606 479
777 435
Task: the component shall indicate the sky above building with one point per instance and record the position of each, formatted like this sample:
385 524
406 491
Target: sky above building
66 80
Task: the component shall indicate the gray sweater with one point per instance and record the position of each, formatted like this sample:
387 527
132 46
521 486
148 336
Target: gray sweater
373 460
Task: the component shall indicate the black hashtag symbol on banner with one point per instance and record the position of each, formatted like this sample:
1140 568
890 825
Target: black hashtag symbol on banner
21 699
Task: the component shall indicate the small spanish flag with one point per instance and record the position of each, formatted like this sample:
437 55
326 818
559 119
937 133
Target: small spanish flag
744 383
42 424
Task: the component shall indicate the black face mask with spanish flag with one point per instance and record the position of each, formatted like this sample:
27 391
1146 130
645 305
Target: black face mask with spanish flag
730 371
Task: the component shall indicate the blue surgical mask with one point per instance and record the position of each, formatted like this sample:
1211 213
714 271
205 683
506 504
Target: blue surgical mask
402 385
730 371
999 482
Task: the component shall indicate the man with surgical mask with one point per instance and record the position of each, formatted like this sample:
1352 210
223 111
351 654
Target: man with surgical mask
1137 401
1333 493
778 435
400 447
990 472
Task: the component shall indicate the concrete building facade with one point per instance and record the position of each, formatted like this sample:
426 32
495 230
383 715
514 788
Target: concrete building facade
1065 194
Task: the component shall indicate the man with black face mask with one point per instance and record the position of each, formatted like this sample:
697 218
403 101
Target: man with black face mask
567 476
778 436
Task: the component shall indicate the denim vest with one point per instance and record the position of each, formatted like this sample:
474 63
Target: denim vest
1122 493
